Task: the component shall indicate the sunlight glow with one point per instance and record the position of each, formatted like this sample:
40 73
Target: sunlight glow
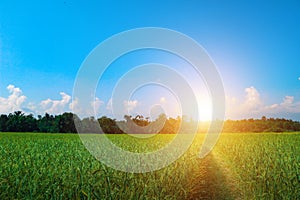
205 110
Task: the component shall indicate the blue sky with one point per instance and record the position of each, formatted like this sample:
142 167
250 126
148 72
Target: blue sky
255 46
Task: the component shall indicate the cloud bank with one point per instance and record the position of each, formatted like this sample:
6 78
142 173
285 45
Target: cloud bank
14 101
250 106
17 101
56 106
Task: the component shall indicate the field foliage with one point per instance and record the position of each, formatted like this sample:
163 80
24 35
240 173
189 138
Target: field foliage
57 166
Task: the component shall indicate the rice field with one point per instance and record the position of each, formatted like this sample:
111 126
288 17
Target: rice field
241 166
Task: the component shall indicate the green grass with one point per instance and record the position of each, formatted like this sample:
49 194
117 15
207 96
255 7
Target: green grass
266 166
57 166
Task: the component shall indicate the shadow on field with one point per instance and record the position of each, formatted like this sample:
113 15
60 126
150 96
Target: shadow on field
209 181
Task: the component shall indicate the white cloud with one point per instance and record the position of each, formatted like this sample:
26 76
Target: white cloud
86 110
130 105
250 105
109 105
299 78
16 101
74 106
252 99
97 104
56 106
253 106
288 100
13 102
288 105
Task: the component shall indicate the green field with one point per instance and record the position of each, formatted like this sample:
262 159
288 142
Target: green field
241 166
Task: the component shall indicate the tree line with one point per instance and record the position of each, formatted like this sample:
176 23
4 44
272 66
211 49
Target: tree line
261 125
64 123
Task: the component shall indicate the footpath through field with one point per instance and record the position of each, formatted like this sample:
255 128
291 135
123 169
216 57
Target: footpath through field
213 180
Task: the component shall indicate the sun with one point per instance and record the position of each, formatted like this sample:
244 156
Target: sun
205 109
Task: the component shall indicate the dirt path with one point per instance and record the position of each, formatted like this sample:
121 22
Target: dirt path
211 182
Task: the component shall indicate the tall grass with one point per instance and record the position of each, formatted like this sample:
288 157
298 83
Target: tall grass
57 166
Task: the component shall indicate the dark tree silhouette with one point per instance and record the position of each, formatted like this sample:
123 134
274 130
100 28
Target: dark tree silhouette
64 123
